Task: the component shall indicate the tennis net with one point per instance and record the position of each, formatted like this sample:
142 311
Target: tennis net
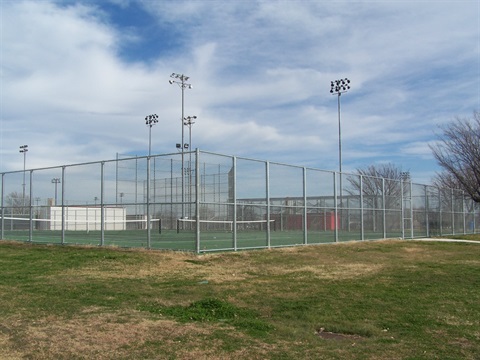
82 225
225 225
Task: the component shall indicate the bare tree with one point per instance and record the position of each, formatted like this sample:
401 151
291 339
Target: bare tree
458 153
376 180
17 203
381 187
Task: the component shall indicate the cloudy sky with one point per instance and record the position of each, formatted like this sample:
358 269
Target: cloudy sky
78 78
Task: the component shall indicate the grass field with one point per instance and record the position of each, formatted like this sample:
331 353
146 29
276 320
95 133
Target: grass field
356 300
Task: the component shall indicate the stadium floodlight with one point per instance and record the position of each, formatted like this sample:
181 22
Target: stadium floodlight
338 87
56 181
150 120
181 81
23 150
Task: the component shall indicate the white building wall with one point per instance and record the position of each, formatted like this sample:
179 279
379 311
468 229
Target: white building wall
78 218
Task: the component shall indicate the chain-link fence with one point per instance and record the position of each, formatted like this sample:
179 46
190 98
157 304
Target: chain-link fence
201 201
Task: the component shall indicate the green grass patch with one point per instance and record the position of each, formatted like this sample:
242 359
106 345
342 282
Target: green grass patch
214 310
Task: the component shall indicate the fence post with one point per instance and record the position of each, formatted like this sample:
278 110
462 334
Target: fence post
234 190
102 215
335 204
463 213
440 207
402 208
2 205
384 209
427 225
148 202
362 227
267 183
474 217
63 205
116 178
305 209
453 211
197 200
30 222
411 210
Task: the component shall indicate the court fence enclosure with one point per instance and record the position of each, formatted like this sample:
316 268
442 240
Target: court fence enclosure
202 201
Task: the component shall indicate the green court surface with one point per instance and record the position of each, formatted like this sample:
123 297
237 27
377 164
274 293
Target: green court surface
186 239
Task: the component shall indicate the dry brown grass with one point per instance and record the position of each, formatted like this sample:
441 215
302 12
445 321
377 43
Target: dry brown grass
221 268
99 335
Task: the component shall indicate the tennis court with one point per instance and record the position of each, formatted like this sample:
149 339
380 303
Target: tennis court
215 202
186 239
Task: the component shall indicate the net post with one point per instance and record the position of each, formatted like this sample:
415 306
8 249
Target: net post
178 226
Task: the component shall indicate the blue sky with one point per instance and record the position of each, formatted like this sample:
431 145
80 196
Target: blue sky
79 77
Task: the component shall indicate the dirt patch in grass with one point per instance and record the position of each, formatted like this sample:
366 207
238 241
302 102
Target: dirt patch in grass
328 335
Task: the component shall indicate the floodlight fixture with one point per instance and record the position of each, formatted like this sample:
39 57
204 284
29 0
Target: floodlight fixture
151 120
181 81
339 86
188 120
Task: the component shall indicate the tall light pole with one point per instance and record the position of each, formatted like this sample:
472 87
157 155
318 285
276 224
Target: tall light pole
24 149
338 87
150 120
181 81
56 181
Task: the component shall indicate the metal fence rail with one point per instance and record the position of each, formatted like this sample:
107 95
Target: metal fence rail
214 202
